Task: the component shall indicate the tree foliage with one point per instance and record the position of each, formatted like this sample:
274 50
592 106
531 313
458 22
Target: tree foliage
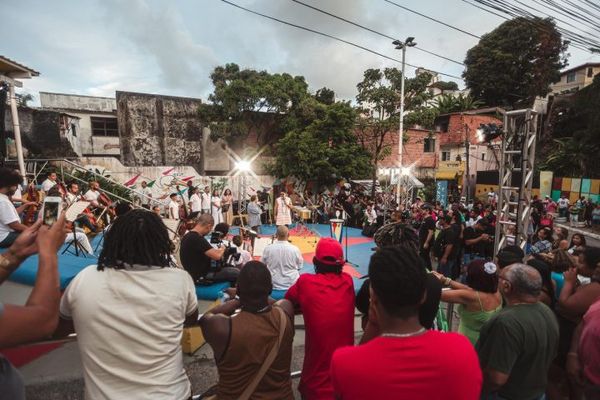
447 103
242 100
325 150
571 143
515 62
446 85
325 96
379 97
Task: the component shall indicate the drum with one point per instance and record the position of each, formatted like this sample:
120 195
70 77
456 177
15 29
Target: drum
336 227
304 214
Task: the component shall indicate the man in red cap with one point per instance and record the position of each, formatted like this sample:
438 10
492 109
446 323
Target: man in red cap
326 299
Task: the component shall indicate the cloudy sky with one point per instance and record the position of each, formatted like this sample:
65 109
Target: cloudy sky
170 47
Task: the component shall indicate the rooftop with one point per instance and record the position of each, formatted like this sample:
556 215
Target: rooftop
15 70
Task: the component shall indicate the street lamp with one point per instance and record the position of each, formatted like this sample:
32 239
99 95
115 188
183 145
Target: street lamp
409 42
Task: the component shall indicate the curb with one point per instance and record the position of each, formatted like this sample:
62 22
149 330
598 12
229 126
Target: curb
580 231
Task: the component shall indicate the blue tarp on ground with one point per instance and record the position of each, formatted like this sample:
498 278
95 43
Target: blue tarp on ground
69 265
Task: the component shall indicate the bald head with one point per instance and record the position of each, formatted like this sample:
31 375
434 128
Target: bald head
525 280
205 220
282 232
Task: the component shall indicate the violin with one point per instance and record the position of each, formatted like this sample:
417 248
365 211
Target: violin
62 189
104 200
34 196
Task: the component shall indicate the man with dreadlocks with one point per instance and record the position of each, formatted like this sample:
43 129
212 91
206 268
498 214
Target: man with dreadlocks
129 312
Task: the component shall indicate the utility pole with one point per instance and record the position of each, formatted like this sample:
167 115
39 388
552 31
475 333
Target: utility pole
467 182
409 42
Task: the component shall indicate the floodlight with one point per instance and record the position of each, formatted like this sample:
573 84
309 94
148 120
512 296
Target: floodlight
243 166
488 132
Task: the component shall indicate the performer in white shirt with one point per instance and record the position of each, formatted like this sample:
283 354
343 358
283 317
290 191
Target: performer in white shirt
216 207
49 182
283 210
93 193
10 222
195 202
283 259
146 198
205 196
173 207
371 214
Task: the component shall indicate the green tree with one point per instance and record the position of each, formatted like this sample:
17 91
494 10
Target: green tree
325 150
325 96
445 86
515 62
570 146
447 103
249 100
379 99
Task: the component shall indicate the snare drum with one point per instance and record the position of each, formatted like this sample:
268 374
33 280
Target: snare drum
304 214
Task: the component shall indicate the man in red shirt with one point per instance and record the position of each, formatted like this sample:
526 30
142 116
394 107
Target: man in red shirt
326 299
406 361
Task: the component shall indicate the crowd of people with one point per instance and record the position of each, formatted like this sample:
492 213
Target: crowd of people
529 323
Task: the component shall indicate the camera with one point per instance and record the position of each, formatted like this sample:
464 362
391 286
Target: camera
216 237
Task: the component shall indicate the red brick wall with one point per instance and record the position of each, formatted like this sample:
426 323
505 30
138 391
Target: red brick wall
457 125
412 152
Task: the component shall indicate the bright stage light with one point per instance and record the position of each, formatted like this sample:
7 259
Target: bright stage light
243 166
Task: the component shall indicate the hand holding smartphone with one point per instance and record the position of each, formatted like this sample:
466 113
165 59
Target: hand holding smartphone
51 210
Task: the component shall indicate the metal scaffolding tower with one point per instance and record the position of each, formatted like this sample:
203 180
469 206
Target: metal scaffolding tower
517 157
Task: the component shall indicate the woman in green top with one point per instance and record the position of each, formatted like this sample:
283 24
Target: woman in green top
478 301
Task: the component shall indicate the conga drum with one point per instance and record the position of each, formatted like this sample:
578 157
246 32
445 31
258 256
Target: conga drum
336 226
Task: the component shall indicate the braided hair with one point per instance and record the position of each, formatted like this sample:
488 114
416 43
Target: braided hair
137 237
396 234
398 278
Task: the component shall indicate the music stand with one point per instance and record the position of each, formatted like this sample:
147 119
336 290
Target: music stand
76 245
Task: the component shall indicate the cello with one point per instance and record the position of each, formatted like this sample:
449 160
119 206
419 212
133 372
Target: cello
33 196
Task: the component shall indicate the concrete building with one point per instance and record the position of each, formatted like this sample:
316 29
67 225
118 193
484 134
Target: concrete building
97 131
576 78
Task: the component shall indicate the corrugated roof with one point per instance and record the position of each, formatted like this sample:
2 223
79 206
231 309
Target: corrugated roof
16 66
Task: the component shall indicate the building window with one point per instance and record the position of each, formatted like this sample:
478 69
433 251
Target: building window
445 156
73 130
482 156
571 77
104 126
429 145
590 72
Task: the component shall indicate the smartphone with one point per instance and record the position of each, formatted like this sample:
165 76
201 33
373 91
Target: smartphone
51 209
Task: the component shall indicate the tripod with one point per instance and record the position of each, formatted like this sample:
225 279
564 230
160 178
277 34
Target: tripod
78 248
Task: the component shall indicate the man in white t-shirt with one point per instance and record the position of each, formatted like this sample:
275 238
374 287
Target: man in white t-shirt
130 341
10 222
195 202
206 200
93 193
49 182
173 207
283 259
563 206
146 198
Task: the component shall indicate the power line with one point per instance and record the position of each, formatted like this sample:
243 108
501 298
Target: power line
372 30
433 19
577 40
331 37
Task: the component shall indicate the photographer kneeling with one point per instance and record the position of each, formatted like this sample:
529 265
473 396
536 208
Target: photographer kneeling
197 254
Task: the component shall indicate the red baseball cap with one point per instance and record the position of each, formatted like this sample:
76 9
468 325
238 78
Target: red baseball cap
329 251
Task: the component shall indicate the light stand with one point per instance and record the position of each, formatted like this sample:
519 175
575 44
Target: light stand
346 259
